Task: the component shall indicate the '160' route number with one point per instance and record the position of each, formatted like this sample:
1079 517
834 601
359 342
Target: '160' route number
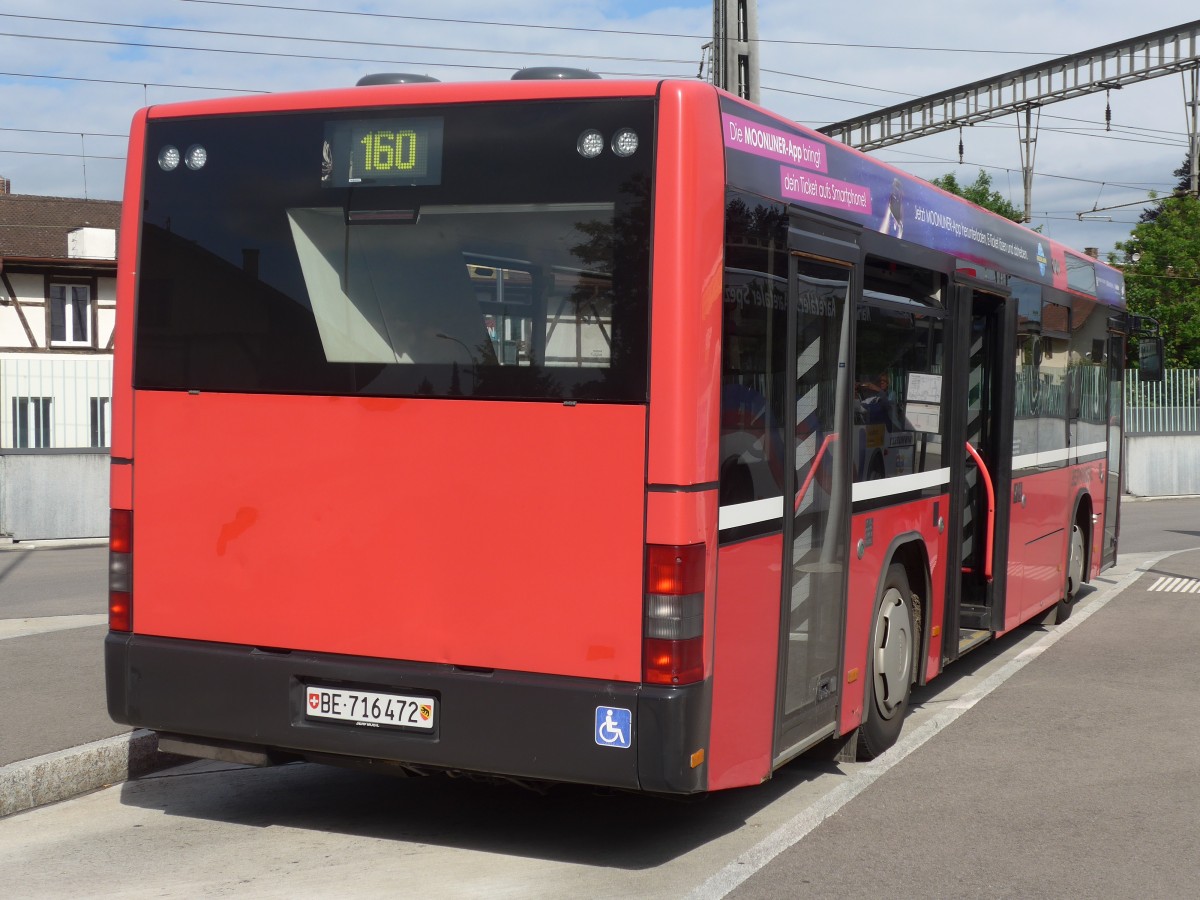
388 151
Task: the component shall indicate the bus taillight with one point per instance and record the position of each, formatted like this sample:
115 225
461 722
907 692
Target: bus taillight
673 622
120 570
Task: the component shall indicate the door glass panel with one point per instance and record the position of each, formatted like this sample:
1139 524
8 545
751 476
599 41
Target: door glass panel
1112 487
898 393
754 357
984 327
819 493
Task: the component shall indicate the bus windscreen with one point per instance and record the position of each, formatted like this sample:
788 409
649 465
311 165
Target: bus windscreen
463 251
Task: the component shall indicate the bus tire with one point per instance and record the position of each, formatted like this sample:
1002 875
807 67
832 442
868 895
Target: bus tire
1074 576
891 655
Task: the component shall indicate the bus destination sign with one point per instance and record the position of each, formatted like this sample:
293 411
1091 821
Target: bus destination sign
382 152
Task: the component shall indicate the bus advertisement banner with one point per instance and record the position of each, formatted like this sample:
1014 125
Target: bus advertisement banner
776 159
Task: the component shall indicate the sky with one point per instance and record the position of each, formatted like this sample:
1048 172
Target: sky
72 74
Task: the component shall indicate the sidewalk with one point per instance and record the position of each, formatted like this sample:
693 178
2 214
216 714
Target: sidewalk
1075 777
58 742
56 739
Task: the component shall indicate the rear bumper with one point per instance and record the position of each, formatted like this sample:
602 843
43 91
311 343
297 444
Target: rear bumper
514 724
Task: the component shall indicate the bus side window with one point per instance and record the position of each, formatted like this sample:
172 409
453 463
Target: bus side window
751 437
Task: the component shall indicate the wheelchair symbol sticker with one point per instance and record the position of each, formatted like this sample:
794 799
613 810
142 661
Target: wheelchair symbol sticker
614 727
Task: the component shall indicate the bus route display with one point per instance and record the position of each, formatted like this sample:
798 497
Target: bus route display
382 152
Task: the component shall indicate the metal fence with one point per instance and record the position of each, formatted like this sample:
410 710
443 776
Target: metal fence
52 402
1171 406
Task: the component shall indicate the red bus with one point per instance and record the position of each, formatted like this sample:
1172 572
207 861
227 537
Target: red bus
614 432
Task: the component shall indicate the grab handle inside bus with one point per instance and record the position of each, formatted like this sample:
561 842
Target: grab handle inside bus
991 509
812 470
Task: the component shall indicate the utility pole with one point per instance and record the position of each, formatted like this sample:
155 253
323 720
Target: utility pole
1193 127
735 47
1027 136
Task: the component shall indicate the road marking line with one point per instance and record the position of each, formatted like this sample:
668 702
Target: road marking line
864 775
14 628
1169 584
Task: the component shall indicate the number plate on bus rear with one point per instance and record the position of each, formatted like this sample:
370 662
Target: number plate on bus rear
369 708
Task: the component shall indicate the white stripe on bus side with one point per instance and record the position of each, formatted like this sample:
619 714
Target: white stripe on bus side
899 484
1050 457
739 514
756 511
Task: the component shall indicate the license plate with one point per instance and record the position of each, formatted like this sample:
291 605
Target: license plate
369 708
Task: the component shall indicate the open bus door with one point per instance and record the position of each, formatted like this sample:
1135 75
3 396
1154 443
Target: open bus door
1115 437
982 427
1125 333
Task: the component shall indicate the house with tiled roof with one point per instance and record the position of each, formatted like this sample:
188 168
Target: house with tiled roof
58 274
49 248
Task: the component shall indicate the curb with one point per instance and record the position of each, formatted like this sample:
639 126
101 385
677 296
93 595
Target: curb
68 773
9 545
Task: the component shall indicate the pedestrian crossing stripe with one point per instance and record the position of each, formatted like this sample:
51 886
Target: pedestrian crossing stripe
1175 585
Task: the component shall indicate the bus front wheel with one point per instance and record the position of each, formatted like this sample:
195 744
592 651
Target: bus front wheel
890 661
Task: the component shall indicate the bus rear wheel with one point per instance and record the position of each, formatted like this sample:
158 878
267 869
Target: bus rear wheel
890 660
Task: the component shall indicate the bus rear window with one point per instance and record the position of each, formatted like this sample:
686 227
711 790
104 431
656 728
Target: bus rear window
520 272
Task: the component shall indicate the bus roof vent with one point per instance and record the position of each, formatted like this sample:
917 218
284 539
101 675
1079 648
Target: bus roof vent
394 78
551 73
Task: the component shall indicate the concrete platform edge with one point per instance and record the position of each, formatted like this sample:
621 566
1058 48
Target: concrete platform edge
68 773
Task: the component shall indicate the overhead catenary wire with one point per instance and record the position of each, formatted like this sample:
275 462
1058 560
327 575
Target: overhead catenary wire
1123 133
107 134
353 42
930 159
426 63
71 155
159 84
429 63
641 33
295 38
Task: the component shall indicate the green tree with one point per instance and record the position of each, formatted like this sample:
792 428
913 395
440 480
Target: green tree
981 194
1184 174
1162 276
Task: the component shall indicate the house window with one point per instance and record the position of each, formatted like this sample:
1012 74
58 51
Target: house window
70 314
101 420
31 422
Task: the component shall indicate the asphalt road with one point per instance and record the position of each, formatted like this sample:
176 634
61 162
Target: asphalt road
53 581
1152 526
1074 778
52 609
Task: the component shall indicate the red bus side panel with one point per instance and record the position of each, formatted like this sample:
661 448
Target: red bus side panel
746 664
1040 535
916 519
494 535
1095 478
